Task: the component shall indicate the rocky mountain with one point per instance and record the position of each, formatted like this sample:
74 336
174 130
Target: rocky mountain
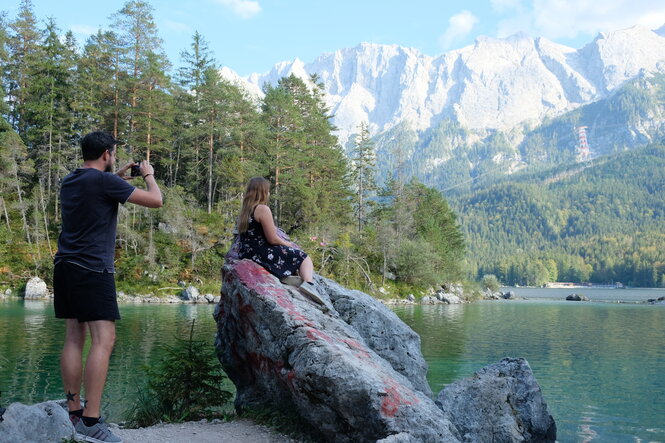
493 84
494 87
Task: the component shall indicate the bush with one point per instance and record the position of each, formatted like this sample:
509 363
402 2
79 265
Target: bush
185 385
489 281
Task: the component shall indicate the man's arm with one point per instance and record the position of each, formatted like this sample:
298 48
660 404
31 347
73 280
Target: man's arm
152 196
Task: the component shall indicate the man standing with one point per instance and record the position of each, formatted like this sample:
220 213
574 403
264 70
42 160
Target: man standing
83 275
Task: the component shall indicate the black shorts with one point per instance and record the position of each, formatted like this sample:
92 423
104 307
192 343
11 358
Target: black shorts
84 294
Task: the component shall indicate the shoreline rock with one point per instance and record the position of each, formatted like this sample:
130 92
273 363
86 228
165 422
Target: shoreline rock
283 352
36 289
505 389
577 297
48 422
354 372
43 422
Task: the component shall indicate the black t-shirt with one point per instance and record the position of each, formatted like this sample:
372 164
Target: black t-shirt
90 200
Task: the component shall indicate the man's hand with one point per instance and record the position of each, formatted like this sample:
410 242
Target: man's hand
121 172
146 169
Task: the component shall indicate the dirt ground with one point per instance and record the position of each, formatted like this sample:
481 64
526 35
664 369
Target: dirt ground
242 431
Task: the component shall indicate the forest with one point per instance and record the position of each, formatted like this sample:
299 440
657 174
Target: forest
599 222
205 137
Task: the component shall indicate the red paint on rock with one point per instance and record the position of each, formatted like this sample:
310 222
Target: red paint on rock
257 278
394 398
314 334
264 363
362 353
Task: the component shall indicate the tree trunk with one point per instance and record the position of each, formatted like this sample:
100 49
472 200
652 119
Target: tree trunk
116 97
211 143
41 197
50 148
56 211
20 202
4 208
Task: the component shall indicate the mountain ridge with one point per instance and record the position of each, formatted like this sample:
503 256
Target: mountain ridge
494 84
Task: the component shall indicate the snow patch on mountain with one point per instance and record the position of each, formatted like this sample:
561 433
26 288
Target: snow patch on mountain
494 84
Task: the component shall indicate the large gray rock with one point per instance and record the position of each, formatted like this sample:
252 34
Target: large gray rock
382 331
448 298
36 288
41 423
190 293
489 295
428 300
500 403
282 351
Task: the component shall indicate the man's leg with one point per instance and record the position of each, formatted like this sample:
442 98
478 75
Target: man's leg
97 364
71 362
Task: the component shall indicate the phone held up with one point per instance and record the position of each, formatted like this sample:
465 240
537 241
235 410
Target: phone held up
135 171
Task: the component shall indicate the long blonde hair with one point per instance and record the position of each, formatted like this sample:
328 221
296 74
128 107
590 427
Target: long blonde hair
258 190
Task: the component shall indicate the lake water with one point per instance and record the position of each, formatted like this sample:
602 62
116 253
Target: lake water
600 364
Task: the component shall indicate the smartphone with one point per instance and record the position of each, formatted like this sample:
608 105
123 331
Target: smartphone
136 171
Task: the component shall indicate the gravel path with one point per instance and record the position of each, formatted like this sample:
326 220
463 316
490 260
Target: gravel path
244 431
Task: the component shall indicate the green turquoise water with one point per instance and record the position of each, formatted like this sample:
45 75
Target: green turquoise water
31 340
600 364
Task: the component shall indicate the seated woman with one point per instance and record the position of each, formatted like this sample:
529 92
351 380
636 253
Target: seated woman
260 242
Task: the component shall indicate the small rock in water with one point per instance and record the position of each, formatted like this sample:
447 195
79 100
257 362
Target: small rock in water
577 297
510 295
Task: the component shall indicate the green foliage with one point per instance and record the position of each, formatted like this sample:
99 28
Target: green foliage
205 138
186 385
489 281
599 222
362 173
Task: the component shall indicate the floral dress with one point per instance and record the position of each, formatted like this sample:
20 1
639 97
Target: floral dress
280 260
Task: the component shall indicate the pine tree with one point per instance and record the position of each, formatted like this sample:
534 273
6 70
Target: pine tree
23 54
153 111
141 47
4 64
308 168
16 175
49 112
363 169
197 77
284 137
98 84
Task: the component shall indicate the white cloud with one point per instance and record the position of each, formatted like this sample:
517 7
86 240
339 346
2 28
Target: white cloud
574 18
244 8
459 26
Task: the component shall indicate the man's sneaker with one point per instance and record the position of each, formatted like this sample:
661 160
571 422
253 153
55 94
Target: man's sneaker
292 280
97 433
309 289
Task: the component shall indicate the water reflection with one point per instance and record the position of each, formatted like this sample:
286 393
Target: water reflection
600 365
597 363
32 338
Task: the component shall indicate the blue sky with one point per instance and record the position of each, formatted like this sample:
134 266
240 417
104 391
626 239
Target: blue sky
252 35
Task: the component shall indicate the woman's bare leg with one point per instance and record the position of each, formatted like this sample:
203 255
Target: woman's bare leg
307 270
